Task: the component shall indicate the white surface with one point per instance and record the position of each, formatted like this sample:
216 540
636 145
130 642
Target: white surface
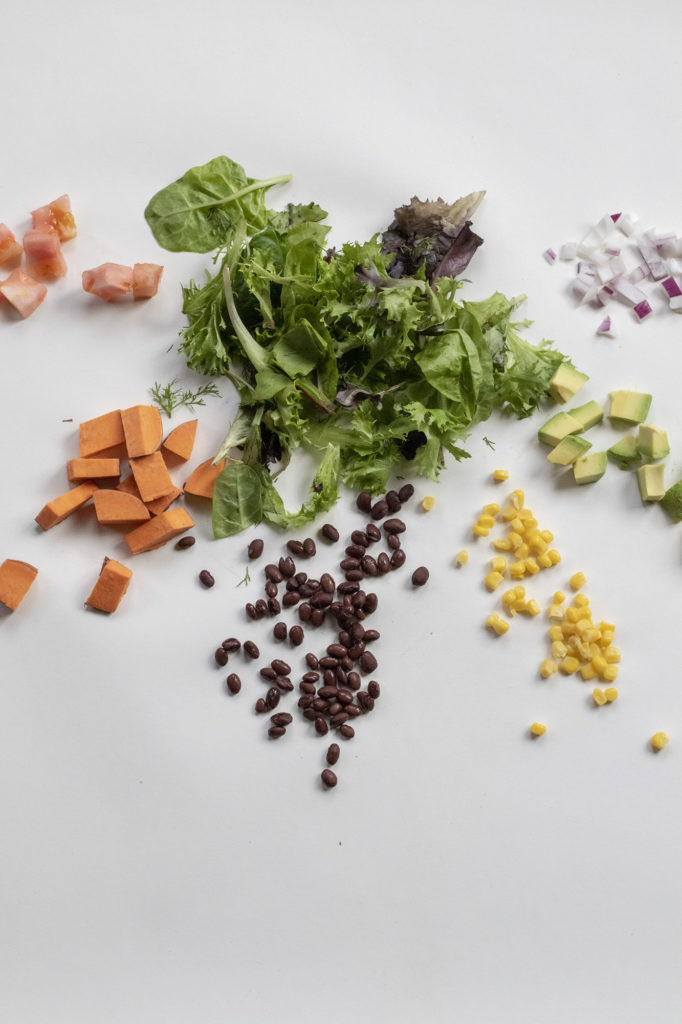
162 862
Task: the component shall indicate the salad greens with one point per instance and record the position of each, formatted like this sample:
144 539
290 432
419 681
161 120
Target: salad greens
363 354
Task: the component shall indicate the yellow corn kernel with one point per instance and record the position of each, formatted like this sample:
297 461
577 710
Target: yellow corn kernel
491 509
568 628
606 638
659 740
517 498
558 597
520 590
498 625
581 649
502 544
548 668
610 673
530 522
555 613
537 545
599 663
611 694
498 564
572 614
577 580
599 696
569 665
538 729
554 556
545 561
555 633
487 521
612 655
493 580
526 514
517 524
480 531
587 672
520 605
558 649
607 626
522 551
508 513
532 566
509 597
500 474
533 608
595 651
547 536
515 539
591 635
581 601
428 502
517 570
462 558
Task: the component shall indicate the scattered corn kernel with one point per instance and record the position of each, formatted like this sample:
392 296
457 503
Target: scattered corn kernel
491 509
659 740
599 663
591 635
545 561
587 672
462 557
548 668
515 539
555 613
558 597
532 566
520 590
610 673
493 580
577 580
500 475
522 551
547 536
599 696
488 521
537 544
517 498
517 570
572 614
611 694
526 515
607 626
569 665
556 633
558 649
498 563
606 637
568 629
508 513
480 531
428 502
538 729
612 655
581 601
517 524
533 608
502 544
554 556
498 625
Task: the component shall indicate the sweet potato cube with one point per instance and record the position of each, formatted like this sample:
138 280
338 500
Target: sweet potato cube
59 508
151 476
110 587
113 507
155 506
202 480
103 434
15 581
143 429
179 444
159 530
92 469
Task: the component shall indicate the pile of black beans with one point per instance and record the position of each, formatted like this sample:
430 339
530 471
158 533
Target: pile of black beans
331 686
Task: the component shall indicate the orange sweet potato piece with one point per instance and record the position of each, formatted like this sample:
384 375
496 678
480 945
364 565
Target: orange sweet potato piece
179 444
91 469
113 507
103 434
15 580
151 476
110 587
155 506
59 508
202 480
142 428
159 530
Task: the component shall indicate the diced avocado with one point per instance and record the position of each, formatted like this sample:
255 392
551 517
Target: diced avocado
629 406
672 501
568 450
589 468
625 452
566 382
650 481
557 428
652 442
588 415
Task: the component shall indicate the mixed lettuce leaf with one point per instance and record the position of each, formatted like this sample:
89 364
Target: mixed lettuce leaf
363 354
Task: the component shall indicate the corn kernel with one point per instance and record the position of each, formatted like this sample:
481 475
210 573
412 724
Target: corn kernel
569 665
462 557
611 694
545 561
606 637
612 655
547 536
548 668
555 613
491 509
581 649
517 498
498 564
487 521
517 570
520 605
610 673
659 740
533 608
558 649
599 663
554 556
508 513
428 502
515 539
587 672
558 597
520 590
538 729
532 566
480 531
498 625
556 633
537 545
591 635
509 597
530 522
581 601
607 626
500 474
502 544
595 651
577 580
599 696
526 515
493 580
517 524
572 614
522 551
568 628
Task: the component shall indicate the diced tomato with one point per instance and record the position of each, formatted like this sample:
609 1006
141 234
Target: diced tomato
10 249
56 216
146 277
109 281
22 292
44 254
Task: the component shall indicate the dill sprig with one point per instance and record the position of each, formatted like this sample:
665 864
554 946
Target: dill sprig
172 395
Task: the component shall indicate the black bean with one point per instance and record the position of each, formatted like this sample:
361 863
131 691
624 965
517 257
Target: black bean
275 731
308 688
309 547
360 537
262 608
393 501
367 662
345 696
296 547
284 684
185 542
394 526
365 701
341 676
406 492
373 689
398 558
347 731
310 714
281 718
234 683
393 541
205 578
255 548
346 664
305 590
353 680
364 501
345 638
333 752
271 589
355 551
272 573
369 565
339 719
337 650
260 706
329 778
357 631
379 509
287 567
221 656
327 583
359 598
349 587
250 649
349 563
371 603
306 700
311 661
328 692
328 661
420 576
301 578
319 704
291 598
296 635
321 727
279 631
272 698
231 644
373 532
292 584
334 707
310 677
268 673
383 563
353 710
250 610
280 667
330 532
371 634
304 611
356 650
355 575
274 607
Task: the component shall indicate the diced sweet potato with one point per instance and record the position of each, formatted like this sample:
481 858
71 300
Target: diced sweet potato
110 587
92 469
162 503
142 428
113 507
59 508
201 482
159 530
179 443
15 581
102 434
151 476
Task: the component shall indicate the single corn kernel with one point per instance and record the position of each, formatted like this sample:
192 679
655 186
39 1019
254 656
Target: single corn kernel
517 524
502 544
554 556
568 628
555 613
599 663
606 637
532 566
607 626
491 509
558 597
520 590
548 668
659 740
547 536
556 633
533 608
517 570
538 729
612 655
581 601
577 580
428 502
517 498
498 563
599 696
462 557
595 651
493 580
522 551
500 626
587 672
610 673
488 521
509 597
480 531
500 474
611 694
558 649
569 665
526 514
537 545
572 614
591 635
508 513
581 649
520 605
545 561
515 539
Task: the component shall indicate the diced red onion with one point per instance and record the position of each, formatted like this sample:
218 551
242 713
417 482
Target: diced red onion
605 326
671 286
585 269
638 273
626 290
628 223
642 309
615 217
549 255
676 304
612 268
604 295
671 247
568 251
657 267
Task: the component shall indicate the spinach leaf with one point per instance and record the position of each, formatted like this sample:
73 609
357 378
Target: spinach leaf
237 499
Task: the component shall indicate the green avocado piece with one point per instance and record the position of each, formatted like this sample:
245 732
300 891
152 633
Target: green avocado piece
588 415
652 442
566 382
557 428
650 481
590 468
629 406
625 452
672 501
568 450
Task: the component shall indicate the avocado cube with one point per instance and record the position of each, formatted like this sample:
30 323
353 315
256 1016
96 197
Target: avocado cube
652 442
672 501
568 450
557 428
590 468
588 415
629 406
625 452
566 382
650 481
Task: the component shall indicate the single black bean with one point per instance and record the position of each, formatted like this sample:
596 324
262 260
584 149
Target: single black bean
369 565
304 589
292 584
334 707
310 714
274 607
355 575
356 650
339 719
250 649
281 718
304 611
284 684
330 532
328 692
371 603
357 631
333 752
341 676
280 666
327 583
406 492
328 661
345 638
349 587
345 696
360 537
394 526
321 727
353 710
347 731
271 588
287 567
393 501
260 706
319 704
279 631
379 509
296 547
275 731
268 673
307 688
250 610
349 563
221 656
371 634
383 563
373 532
309 547
312 661
296 635
365 701
310 677
346 664
373 689
393 541
262 608
329 778
364 501
206 578
367 662
234 683
255 548
231 644
301 578
353 680
272 573
306 700
398 558
272 698
359 598
355 551
420 576
337 651
185 542
291 598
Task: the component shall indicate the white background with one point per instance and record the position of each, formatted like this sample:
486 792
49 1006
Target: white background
161 861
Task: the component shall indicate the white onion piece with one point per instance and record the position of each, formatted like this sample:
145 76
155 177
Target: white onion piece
628 291
568 251
628 223
676 304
